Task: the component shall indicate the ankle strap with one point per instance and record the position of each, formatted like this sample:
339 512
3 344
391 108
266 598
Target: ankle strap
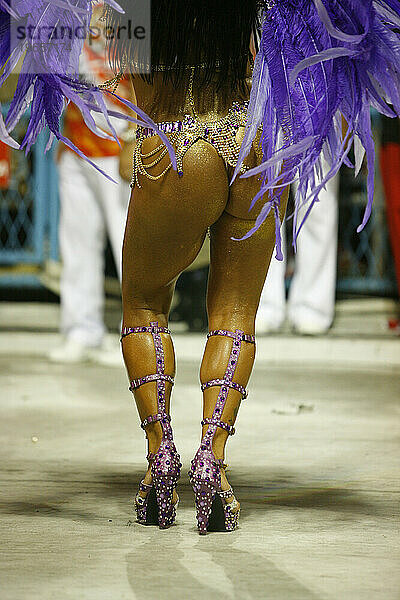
152 329
160 377
210 421
144 487
135 383
226 494
154 418
243 338
225 382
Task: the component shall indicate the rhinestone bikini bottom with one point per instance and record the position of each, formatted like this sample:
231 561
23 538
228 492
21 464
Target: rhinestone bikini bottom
221 134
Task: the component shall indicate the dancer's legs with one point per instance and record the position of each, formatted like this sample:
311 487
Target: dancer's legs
167 222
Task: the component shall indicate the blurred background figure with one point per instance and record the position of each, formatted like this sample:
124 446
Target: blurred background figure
310 305
390 170
91 208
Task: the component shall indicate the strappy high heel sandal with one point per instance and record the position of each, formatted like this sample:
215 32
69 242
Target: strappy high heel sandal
214 512
157 508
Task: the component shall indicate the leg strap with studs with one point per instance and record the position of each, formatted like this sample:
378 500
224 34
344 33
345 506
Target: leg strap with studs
135 383
226 383
229 428
243 337
154 328
160 377
154 418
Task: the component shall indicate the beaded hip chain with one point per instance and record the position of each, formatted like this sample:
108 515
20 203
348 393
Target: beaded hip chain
221 134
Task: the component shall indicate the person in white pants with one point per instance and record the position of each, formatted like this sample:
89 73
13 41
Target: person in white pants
310 305
91 206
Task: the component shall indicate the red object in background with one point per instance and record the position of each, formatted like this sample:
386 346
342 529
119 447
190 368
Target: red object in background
390 170
5 160
394 326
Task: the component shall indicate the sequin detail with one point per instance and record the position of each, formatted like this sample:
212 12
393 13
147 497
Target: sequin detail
245 338
229 428
221 134
165 464
205 475
135 383
153 419
152 329
225 382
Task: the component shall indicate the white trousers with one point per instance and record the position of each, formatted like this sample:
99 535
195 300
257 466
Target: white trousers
91 206
312 290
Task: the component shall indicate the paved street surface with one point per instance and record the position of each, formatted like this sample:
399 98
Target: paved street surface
315 465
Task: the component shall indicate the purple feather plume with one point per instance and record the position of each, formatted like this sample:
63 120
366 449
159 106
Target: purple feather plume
49 76
319 61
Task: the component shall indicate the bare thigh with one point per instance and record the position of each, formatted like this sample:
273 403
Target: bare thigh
238 268
166 225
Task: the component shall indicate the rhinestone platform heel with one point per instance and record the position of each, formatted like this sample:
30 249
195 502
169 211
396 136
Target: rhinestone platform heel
165 465
214 512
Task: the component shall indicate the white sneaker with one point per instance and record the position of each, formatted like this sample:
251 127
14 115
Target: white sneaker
310 327
70 351
265 325
109 354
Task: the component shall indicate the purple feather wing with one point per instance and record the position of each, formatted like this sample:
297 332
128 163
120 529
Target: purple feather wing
49 77
323 59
